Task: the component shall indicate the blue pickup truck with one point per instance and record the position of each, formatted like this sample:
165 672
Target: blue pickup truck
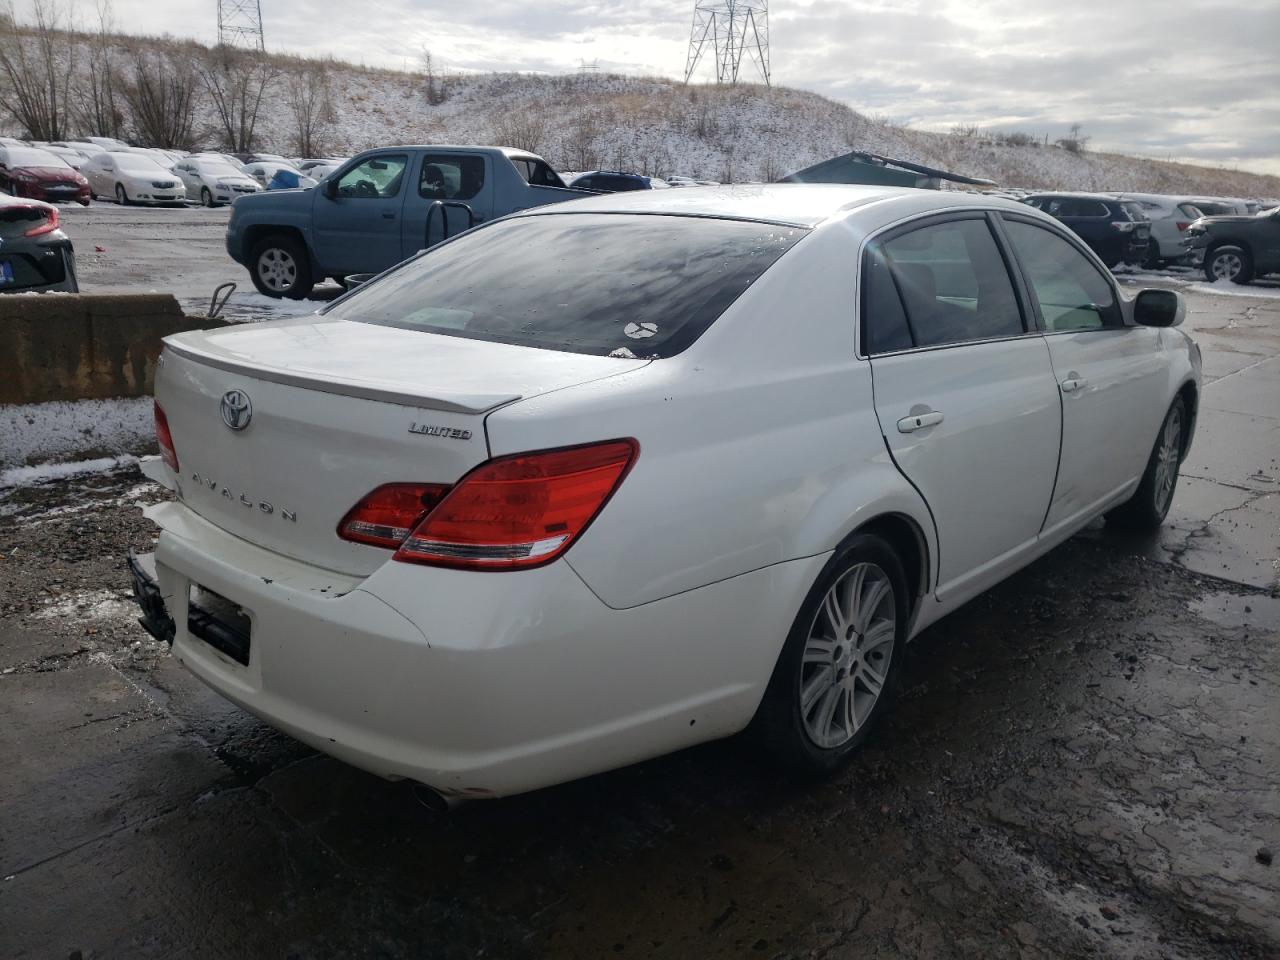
380 208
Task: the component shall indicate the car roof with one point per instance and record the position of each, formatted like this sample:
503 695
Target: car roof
794 204
1081 194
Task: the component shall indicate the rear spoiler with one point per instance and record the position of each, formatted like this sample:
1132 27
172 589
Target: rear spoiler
858 167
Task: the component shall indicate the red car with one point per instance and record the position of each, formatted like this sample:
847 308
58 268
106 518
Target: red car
40 175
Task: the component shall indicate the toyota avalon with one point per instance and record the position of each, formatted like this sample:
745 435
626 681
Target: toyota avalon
601 480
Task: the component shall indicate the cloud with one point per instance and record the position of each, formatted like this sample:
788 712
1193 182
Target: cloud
1197 79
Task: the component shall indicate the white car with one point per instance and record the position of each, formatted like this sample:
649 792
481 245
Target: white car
132 178
600 480
213 181
1170 216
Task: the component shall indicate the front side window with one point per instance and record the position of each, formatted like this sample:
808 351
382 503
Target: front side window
953 283
376 178
449 176
1072 293
602 284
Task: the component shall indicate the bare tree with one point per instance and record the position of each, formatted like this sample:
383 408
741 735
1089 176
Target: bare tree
309 101
160 91
95 104
582 146
524 130
1074 141
435 87
236 81
36 63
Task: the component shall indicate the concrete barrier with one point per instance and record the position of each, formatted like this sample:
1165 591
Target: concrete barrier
84 346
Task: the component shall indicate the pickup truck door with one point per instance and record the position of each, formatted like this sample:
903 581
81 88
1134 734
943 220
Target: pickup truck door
451 177
357 230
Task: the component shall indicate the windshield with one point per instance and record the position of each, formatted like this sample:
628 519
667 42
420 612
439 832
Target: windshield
137 163
603 284
30 157
215 169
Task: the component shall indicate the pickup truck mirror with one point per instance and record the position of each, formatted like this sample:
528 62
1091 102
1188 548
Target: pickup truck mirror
330 186
1158 308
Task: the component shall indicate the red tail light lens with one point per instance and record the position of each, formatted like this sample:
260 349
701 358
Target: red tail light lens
48 226
389 514
168 453
521 511
1182 225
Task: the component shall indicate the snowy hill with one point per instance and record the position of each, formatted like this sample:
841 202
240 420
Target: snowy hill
644 124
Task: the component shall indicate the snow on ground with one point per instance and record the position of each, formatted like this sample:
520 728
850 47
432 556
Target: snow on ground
45 472
246 307
88 606
81 430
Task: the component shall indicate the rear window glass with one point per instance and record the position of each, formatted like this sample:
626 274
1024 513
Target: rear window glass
1136 210
628 285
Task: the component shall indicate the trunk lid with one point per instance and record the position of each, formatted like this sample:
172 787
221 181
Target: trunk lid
320 412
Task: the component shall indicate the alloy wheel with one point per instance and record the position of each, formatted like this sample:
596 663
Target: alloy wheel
1167 459
847 655
1227 266
277 269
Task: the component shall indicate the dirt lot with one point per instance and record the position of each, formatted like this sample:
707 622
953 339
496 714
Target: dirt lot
1085 761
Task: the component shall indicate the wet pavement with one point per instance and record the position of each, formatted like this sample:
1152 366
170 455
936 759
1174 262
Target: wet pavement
1083 762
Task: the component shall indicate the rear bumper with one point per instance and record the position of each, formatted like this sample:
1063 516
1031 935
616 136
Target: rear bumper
475 684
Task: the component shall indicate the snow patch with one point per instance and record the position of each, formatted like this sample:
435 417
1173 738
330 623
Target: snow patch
90 605
46 472
63 430
1228 289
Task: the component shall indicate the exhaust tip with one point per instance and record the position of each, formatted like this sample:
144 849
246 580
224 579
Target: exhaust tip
433 799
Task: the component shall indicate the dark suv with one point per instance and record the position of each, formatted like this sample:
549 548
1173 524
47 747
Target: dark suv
613 181
1116 230
1236 248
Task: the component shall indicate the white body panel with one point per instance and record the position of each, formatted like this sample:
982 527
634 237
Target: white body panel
137 173
760 452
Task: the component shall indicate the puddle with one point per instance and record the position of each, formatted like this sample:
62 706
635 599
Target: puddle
1233 610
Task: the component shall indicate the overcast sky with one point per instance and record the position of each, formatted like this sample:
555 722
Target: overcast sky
1183 79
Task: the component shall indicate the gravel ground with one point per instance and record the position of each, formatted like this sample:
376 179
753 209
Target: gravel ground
1084 761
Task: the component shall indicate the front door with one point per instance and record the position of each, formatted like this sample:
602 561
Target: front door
358 229
1110 375
964 393
453 178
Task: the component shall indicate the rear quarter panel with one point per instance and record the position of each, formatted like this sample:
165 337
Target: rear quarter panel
759 444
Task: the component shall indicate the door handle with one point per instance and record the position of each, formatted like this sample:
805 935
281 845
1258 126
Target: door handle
1072 384
919 421
388 215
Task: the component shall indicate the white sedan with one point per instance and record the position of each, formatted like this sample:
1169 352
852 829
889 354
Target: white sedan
213 181
604 479
131 178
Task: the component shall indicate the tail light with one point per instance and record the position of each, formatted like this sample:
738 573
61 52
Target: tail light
1182 225
390 513
48 226
520 511
1124 226
165 440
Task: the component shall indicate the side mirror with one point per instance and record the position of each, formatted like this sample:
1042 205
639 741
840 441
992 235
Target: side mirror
1158 308
331 188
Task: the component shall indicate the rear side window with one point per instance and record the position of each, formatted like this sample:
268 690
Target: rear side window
953 283
1135 210
537 173
1189 210
884 321
449 176
601 284
1072 293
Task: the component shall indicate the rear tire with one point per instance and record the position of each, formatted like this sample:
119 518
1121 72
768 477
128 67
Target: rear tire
839 665
1228 262
1149 505
280 267
1151 259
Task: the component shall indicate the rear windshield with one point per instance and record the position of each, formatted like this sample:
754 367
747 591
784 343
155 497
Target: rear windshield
1135 209
603 284
31 157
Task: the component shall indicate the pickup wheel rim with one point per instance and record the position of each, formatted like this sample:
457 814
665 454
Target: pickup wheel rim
847 654
277 268
1167 458
1226 266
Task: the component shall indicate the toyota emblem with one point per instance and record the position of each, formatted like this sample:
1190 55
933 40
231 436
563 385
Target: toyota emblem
237 409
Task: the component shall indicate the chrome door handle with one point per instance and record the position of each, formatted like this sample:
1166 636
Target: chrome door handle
919 421
1072 384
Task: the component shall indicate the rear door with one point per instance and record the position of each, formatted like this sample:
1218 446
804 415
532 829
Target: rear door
964 391
454 178
1111 376
358 229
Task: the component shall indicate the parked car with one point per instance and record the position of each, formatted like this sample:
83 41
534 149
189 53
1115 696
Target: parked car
132 178
1220 206
40 175
1234 247
264 170
286 178
613 181
213 181
1170 216
601 480
379 209
108 143
71 157
35 255
1116 230
224 157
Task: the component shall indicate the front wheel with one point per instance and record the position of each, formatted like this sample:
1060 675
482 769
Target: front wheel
206 197
122 198
1228 263
840 661
280 268
1149 505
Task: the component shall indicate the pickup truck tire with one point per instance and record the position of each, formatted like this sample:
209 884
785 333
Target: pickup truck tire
1228 262
280 267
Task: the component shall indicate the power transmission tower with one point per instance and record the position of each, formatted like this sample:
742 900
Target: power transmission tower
240 24
730 28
